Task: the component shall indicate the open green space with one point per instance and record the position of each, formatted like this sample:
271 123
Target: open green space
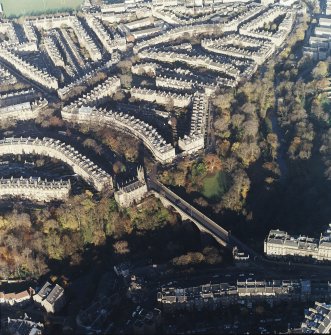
214 186
31 7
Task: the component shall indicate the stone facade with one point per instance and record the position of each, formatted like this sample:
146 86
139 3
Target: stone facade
57 21
161 97
109 43
173 83
144 68
132 192
163 152
17 97
240 46
196 139
194 61
147 32
319 45
69 90
34 189
51 297
253 28
212 296
9 29
23 111
81 165
190 29
279 244
39 76
30 32
105 89
53 51
71 52
6 77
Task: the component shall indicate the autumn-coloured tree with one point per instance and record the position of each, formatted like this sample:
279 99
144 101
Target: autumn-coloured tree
121 247
213 163
272 140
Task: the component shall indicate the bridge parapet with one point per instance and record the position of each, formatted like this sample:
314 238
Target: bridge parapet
205 224
185 216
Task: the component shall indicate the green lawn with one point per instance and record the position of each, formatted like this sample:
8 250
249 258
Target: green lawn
214 186
27 7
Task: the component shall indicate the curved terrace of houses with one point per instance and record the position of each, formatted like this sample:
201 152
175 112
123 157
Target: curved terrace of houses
161 150
49 147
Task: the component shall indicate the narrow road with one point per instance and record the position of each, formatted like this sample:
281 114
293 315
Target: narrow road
202 219
51 97
216 230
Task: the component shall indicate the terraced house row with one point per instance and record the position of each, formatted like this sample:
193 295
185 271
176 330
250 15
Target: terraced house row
81 165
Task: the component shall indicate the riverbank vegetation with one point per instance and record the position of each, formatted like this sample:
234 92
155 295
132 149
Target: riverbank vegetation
32 240
271 132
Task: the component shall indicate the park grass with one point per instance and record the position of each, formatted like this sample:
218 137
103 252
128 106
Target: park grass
31 7
214 186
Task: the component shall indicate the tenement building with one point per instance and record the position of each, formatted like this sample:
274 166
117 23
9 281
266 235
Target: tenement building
58 21
34 189
81 84
17 97
212 296
240 46
162 151
22 111
81 165
196 138
319 44
41 77
194 61
282 245
161 97
105 89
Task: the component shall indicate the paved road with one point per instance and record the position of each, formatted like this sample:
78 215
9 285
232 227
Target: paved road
189 210
202 219
51 97
301 269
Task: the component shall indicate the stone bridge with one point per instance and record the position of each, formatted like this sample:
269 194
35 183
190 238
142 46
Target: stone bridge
187 211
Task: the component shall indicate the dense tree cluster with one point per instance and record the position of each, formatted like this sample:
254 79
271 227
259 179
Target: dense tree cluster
190 174
209 255
284 102
239 140
325 150
30 239
123 144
